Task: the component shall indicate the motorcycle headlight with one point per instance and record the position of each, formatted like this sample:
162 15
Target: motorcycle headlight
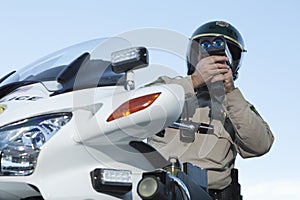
20 142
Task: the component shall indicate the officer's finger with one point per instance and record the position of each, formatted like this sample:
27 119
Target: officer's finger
218 71
216 59
228 75
218 77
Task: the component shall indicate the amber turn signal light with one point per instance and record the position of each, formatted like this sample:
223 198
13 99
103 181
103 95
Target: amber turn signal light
133 105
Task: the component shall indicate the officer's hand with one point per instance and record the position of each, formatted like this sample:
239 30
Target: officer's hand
211 69
227 79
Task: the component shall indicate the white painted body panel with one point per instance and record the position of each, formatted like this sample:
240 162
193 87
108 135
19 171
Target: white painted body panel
88 141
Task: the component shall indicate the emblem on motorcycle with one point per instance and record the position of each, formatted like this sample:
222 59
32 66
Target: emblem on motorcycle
2 108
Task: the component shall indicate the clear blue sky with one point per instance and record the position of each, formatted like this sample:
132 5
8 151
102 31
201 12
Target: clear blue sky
268 77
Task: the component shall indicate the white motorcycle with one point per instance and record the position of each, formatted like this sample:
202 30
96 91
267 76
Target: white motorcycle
73 126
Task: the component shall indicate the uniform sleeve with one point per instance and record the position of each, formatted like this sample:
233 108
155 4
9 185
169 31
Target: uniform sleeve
185 82
253 137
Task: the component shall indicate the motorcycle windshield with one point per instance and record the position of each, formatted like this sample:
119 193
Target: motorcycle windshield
83 65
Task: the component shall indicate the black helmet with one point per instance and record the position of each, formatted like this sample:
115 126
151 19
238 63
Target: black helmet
233 39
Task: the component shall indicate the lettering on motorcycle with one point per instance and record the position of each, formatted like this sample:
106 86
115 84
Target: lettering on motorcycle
24 98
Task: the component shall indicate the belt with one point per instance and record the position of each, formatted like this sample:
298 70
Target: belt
224 194
231 192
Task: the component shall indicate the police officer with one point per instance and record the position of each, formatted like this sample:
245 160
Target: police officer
226 123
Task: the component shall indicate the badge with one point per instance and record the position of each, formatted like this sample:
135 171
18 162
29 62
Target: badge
222 24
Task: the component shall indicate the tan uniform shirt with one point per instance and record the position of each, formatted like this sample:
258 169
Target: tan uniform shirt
216 151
